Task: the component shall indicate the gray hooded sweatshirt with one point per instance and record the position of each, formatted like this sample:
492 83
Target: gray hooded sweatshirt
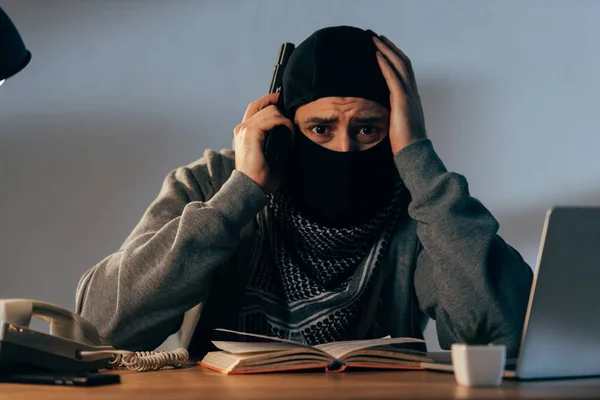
185 265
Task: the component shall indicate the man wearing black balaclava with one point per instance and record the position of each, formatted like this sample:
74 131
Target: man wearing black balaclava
364 233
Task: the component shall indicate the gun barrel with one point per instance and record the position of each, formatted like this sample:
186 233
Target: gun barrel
285 51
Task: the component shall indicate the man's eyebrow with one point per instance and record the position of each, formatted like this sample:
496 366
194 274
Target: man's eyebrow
321 120
334 120
369 120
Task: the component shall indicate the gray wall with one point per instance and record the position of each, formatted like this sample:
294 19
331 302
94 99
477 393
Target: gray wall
121 92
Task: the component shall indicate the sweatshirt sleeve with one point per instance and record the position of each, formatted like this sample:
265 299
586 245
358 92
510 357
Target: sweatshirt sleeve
138 295
465 271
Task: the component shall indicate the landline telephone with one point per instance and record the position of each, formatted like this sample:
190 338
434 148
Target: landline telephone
73 344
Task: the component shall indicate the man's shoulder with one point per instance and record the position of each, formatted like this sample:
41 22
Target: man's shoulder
215 166
213 162
209 172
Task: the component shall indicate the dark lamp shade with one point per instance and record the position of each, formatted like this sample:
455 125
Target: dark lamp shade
13 54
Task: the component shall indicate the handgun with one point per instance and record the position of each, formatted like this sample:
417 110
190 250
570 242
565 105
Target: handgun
279 140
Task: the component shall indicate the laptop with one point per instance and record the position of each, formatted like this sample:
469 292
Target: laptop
561 334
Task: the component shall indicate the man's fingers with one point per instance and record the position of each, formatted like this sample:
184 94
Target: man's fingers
391 77
259 104
402 56
395 61
263 120
265 113
264 123
271 121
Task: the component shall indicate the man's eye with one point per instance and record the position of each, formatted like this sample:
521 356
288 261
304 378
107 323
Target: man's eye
320 129
369 130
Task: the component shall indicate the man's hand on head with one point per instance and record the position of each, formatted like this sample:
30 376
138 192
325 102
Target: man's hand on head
261 116
407 122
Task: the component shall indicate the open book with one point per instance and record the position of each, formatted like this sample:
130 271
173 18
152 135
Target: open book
285 355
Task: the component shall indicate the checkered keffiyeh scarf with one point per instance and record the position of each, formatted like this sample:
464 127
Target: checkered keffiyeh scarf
308 281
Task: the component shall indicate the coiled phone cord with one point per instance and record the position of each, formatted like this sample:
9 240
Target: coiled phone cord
142 361
154 360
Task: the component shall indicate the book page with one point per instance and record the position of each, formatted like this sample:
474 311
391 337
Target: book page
256 335
381 354
253 347
339 349
277 344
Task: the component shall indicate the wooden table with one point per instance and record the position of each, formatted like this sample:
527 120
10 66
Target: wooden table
198 383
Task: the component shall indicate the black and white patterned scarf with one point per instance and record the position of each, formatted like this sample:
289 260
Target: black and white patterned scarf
308 282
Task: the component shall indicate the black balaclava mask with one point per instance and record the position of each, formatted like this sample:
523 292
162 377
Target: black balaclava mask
337 188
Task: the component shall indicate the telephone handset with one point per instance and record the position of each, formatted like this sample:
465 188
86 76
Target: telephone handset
63 323
279 140
72 345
